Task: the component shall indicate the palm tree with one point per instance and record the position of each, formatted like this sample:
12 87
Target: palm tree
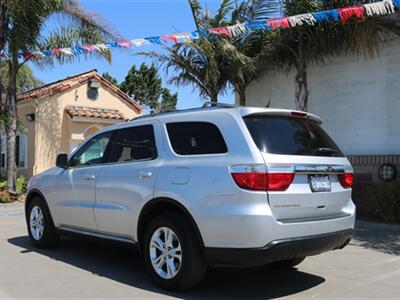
298 47
211 64
25 20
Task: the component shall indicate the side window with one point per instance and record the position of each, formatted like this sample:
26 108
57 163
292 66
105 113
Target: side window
134 143
95 151
190 138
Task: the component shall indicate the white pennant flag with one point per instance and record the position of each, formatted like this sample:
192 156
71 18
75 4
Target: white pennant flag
235 30
67 51
140 42
379 8
301 19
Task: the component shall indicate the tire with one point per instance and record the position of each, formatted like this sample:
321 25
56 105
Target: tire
190 270
42 232
287 264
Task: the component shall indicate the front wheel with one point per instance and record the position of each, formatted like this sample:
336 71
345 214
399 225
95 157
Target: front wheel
172 253
42 232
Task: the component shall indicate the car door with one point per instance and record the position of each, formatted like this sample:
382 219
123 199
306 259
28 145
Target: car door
75 188
127 180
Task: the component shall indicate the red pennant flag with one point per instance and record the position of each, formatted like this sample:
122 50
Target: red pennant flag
278 23
349 12
220 31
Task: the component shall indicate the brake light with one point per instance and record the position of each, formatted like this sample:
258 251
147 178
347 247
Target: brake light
261 178
346 180
299 114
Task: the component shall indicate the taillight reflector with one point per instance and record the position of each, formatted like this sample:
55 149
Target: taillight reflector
263 181
346 180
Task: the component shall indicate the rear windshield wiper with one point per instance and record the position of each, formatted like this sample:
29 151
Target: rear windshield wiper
324 150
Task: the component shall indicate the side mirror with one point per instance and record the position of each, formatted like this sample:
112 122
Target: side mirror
62 161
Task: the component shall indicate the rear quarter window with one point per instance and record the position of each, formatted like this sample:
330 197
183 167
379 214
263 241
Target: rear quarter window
195 138
290 136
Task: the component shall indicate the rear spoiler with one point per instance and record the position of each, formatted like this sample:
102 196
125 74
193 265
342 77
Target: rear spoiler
256 111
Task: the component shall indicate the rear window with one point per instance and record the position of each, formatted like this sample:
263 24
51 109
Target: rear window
290 136
195 138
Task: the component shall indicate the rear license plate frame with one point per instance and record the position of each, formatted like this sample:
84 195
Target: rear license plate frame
319 183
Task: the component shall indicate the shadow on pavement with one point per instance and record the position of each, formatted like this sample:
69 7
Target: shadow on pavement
380 239
122 264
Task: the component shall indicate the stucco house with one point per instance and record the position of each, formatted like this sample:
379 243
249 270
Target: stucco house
60 115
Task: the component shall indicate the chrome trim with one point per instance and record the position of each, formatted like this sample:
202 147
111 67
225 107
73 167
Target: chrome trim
314 218
319 169
97 234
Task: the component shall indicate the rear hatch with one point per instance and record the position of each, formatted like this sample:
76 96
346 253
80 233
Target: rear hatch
295 143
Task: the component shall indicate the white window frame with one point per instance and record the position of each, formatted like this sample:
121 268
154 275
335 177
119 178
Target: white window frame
4 138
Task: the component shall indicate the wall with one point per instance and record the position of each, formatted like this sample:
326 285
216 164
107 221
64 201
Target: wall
357 99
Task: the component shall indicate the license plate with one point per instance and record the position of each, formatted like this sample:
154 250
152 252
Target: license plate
320 183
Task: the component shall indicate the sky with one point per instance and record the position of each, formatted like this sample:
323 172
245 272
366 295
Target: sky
135 19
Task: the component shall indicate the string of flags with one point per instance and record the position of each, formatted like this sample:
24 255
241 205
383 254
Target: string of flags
381 8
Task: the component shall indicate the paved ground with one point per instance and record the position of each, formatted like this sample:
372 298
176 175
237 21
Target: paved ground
368 268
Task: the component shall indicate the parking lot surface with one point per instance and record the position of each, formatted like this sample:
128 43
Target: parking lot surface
368 268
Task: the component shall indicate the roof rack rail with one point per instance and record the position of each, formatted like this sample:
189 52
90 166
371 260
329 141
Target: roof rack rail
206 105
218 104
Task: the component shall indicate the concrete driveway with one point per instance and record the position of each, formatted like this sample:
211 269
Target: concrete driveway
368 268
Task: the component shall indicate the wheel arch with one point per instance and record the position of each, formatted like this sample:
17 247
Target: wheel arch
30 196
157 206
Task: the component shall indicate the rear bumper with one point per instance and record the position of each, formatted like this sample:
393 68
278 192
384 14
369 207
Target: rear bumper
278 250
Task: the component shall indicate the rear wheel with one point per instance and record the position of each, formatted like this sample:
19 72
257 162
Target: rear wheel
172 253
287 264
42 232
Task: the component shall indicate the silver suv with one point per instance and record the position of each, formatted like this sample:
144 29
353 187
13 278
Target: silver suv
217 186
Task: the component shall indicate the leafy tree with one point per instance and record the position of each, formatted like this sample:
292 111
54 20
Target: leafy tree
143 85
26 80
109 78
21 30
168 101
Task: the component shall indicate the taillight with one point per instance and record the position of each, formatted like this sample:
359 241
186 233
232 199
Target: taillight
263 177
346 180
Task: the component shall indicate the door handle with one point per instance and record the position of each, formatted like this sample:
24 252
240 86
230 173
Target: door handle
90 177
143 174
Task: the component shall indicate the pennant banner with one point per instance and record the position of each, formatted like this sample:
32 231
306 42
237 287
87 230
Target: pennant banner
381 8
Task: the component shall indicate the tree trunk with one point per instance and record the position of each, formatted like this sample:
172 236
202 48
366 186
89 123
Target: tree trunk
301 93
214 100
11 125
301 89
242 97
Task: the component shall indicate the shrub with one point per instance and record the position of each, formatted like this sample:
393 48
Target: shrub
5 197
3 185
20 184
385 201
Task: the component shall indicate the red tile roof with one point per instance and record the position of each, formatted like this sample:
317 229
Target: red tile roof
62 85
90 112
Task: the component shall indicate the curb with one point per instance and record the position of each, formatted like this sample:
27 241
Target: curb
373 225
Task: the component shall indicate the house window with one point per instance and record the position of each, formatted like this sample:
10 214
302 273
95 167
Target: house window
21 153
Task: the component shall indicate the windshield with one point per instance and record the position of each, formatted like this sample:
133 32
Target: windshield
290 136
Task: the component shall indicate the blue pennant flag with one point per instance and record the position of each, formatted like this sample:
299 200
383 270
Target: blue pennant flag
77 50
112 45
46 52
257 25
154 40
396 3
326 15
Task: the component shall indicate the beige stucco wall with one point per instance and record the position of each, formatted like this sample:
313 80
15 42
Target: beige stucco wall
53 130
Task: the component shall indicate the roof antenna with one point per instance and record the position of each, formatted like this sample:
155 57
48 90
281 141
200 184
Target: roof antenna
268 103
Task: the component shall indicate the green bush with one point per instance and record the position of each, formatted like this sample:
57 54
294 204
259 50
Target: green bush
5 197
3 185
20 184
385 201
